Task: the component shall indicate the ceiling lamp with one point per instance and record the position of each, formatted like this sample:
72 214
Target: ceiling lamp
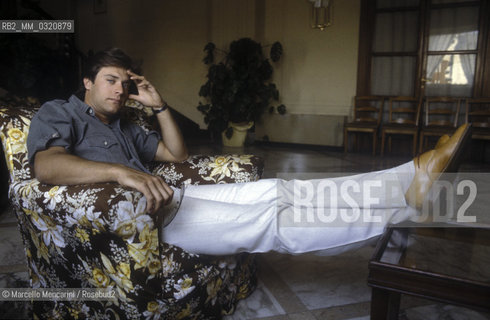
321 14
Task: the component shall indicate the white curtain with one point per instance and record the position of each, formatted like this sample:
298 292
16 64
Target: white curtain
468 40
452 29
438 42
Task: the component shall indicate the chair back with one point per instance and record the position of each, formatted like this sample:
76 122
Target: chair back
404 111
368 109
14 127
478 112
441 111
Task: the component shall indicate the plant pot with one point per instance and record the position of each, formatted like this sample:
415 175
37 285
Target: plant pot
239 134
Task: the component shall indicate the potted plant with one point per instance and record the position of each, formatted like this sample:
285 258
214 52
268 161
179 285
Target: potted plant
238 89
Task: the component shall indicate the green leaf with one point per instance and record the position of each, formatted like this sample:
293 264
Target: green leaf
229 132
276 51
204 108
281 109
209 46
209 49
205 89
238 88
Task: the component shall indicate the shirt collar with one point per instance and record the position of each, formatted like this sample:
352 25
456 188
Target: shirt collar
82 106
85 108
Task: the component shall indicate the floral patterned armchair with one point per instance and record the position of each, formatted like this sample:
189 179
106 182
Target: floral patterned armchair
98 236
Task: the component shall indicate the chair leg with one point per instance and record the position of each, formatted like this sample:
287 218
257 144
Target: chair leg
375 139
483 150
414 148
383 137
346 140
421 143
389 143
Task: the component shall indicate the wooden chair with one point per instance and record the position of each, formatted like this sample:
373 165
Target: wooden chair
403 119
440 118
368 111
478 113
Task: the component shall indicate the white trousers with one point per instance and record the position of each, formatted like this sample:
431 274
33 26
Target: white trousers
324 216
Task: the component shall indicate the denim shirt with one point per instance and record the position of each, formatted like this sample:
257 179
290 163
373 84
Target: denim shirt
73 125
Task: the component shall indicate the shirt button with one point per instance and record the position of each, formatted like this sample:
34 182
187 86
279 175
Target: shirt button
55 135
105 143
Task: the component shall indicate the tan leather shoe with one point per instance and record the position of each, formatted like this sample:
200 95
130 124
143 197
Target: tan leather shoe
431 164
442 140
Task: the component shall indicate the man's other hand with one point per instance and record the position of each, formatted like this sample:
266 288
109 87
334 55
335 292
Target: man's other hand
155 190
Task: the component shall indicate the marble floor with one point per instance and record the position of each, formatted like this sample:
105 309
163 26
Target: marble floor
290 287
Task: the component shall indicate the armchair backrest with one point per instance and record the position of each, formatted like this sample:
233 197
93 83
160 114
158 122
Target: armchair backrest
14 127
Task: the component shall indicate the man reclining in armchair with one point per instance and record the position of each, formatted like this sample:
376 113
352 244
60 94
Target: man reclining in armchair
75 141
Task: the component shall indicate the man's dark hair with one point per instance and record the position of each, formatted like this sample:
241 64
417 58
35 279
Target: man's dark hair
112 57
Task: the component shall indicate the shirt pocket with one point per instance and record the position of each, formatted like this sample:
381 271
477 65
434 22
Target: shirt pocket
99 141
99 148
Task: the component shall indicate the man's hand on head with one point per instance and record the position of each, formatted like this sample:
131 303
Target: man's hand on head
172 146
147 94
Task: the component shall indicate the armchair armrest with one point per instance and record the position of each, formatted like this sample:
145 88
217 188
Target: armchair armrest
204 169
96 207
94 235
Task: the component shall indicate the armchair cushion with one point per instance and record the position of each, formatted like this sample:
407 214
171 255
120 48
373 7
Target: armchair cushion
98 236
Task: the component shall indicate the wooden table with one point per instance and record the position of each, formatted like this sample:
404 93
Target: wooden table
449 265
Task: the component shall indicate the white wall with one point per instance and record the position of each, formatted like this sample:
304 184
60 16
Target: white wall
316 76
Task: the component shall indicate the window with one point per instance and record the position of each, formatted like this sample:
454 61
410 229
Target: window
424 48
